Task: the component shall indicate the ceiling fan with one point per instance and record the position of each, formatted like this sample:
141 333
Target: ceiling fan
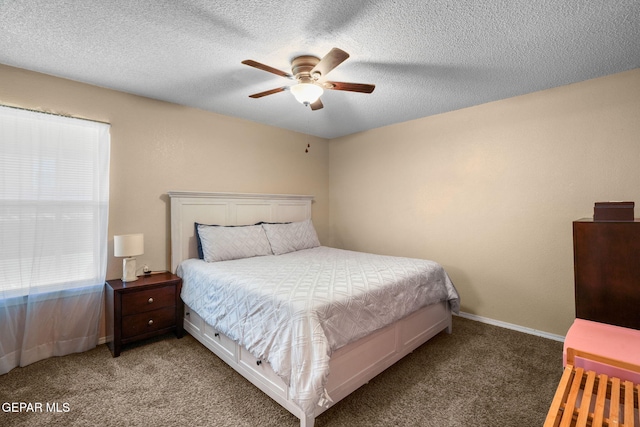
310 73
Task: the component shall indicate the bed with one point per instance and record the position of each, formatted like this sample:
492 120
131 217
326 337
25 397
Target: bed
305 323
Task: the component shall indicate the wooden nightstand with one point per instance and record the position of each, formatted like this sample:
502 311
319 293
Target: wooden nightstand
142 309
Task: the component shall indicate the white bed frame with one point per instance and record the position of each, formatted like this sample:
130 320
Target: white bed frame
351 366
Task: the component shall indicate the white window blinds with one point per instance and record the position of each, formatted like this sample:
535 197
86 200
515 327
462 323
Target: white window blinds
54 195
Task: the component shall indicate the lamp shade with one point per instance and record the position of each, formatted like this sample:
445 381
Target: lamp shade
128 245
306 93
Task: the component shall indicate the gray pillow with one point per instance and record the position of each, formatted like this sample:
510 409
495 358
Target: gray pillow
294 236
226 243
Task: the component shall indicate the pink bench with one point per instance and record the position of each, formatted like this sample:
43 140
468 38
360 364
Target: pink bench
613 342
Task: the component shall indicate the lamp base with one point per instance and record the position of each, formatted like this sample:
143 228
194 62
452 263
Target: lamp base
129 270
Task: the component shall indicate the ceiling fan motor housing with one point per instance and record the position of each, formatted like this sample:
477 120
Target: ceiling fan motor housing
302 66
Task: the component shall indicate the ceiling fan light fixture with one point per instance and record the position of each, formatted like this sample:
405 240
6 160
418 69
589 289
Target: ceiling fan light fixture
306 93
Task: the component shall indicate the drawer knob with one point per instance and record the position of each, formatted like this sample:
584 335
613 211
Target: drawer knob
150 322
150 300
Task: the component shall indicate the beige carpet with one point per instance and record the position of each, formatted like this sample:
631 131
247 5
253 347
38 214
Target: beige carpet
480 375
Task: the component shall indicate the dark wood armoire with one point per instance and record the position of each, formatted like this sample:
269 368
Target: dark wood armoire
607 271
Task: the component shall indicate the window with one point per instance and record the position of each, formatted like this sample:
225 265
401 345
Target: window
54 195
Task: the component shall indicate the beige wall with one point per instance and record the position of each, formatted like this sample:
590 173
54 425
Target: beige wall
158 146
491 192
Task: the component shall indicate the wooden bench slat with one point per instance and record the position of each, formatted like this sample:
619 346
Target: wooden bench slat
598 414
583 412
614 403
559 398
628 404
569 408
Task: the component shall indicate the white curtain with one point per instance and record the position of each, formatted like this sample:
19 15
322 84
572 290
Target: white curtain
54 200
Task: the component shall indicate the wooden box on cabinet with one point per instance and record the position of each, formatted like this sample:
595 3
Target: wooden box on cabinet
613 211
142 309
607 271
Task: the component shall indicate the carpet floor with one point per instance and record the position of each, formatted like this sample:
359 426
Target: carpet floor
480 375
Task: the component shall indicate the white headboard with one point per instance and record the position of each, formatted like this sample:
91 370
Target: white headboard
189 207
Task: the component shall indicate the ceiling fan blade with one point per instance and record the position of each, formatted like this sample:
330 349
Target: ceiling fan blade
268 92
316 105
263 67
330 61
351 87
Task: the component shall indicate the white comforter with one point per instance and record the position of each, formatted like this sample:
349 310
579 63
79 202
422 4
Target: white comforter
293 310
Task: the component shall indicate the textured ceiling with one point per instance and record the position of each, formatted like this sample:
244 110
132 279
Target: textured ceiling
425 57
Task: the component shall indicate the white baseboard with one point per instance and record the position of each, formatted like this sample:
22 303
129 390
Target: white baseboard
512 326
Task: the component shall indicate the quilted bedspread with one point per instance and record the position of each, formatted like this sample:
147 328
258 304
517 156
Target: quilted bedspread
294 310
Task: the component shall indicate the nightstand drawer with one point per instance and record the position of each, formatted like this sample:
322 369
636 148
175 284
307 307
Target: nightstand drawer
138 324
148 300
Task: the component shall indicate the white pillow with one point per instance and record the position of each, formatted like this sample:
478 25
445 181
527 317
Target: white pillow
290 237
226 243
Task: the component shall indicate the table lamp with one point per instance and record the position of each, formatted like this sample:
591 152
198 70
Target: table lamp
128 246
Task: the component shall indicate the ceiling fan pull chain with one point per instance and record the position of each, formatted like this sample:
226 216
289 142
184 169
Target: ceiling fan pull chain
306 150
